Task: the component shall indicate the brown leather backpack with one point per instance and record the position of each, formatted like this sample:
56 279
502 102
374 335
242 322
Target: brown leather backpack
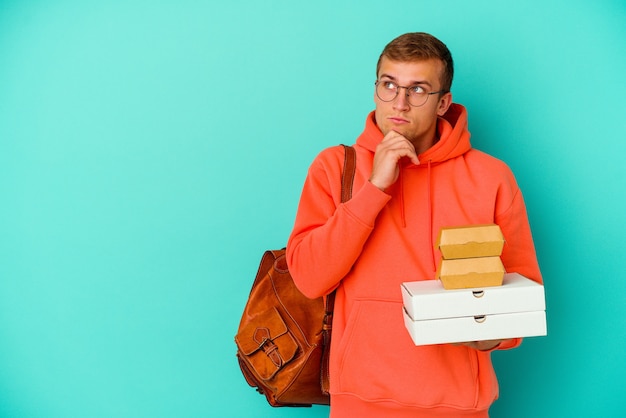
283 336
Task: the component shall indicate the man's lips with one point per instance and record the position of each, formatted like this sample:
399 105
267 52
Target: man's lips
397 120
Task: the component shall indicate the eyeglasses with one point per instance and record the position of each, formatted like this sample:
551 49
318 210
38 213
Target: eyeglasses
387 91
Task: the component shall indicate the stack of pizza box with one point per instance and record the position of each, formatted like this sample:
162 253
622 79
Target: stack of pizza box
474 298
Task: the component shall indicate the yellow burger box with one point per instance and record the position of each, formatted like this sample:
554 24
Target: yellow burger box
466 273
470 241
434 315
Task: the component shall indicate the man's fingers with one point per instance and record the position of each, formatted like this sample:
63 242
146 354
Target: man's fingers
388 154
397 146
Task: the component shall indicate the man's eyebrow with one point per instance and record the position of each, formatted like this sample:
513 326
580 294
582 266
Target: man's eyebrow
413 83
390 77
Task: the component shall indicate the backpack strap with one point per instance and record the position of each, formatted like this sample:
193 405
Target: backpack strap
347 180
349 170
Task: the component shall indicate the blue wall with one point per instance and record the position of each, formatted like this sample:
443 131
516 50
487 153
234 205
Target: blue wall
139 141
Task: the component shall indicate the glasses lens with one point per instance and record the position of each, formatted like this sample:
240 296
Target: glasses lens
386 90
417 96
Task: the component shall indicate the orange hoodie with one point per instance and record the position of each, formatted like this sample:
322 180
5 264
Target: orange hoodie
367 247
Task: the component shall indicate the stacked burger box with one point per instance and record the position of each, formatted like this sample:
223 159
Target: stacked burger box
473 298
470 257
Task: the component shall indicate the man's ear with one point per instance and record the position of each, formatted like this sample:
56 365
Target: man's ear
444 103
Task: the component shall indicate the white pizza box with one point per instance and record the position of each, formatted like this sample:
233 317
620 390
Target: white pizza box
476 328
428 299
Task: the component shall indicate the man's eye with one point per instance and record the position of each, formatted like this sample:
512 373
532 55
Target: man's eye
416 90
389 85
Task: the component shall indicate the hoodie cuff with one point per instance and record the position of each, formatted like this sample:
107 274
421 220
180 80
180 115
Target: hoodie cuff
367 203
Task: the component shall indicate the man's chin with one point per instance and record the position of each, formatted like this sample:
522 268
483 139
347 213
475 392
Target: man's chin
403 132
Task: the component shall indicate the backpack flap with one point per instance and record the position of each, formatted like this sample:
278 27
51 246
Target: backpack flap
266 344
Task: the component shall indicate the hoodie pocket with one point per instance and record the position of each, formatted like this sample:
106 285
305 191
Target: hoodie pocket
378 361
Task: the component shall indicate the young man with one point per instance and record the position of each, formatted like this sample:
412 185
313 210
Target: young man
416 173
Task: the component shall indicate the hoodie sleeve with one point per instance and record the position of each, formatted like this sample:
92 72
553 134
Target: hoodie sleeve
519 253
328 236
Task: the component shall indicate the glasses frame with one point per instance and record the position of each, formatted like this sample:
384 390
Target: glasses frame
406 90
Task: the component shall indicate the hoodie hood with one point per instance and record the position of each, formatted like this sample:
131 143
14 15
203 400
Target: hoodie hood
453 133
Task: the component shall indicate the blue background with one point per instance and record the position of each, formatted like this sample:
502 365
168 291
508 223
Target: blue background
151 150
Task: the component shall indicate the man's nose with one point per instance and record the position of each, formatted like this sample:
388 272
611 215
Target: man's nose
402 99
